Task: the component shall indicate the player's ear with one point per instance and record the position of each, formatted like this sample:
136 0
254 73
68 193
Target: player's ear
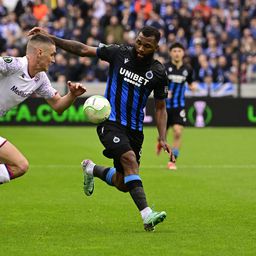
39 51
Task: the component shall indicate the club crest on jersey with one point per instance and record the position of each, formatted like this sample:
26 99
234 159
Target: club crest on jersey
149 75
185 73
133 78
7 59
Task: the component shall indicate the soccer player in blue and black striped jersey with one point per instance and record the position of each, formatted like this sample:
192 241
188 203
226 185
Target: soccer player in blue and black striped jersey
133 75
179 75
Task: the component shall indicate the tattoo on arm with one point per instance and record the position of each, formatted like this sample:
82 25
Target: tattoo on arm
71 46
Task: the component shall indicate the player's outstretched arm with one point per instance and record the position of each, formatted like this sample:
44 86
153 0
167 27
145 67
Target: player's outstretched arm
71 46
61 103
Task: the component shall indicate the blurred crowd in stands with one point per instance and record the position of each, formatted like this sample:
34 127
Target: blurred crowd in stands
219 35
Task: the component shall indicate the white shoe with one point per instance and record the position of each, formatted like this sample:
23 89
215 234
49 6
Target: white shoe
88 166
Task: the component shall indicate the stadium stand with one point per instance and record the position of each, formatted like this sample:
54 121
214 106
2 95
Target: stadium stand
220 36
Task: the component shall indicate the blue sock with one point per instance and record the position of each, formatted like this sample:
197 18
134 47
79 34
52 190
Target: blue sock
175 152
109 174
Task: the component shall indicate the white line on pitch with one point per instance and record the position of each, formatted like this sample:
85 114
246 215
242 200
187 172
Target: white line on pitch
215 166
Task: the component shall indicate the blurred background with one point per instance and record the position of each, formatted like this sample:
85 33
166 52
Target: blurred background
219 35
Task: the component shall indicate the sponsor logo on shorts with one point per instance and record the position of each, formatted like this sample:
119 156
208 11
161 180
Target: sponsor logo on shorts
183 115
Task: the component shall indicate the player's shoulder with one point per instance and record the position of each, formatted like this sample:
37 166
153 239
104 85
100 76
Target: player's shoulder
168 65
13 61
158 67
109 50
125 49
11 65
103 46
188 67
41 78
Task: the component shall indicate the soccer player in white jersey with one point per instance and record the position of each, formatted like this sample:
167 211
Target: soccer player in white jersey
19 78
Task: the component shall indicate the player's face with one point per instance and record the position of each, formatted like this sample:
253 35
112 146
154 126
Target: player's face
145 46
177 54
46 56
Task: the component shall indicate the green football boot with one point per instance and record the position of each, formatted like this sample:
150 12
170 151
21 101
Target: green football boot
88 178
153 219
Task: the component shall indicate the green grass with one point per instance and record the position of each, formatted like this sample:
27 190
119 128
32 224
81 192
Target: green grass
210 200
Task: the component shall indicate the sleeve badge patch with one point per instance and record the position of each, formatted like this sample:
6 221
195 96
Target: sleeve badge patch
7 59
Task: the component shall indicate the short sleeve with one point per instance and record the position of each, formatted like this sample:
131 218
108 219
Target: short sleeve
9 65
108 52
45 90
161 88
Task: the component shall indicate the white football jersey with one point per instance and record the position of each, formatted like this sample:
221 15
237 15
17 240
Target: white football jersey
16 85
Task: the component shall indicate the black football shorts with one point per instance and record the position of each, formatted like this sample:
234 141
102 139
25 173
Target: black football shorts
176 116
117 140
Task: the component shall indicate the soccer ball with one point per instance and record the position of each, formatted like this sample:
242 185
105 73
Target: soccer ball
96 109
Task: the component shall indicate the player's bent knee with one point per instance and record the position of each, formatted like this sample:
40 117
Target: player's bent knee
128 157
23 166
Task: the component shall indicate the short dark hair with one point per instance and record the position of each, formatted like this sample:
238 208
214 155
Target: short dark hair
177 45
42 38
148 31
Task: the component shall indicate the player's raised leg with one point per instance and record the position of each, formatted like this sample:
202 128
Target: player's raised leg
107 174
134 184
131 182
12 163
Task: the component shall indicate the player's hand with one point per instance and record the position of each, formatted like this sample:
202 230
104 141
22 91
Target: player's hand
76 89
38 30
166 147
158 148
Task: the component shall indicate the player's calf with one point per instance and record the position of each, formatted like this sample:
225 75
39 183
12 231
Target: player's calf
8 172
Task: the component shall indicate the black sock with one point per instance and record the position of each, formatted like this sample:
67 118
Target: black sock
104 173
137 193
100 171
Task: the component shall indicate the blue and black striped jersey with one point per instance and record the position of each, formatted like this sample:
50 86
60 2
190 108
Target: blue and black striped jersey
177 84
130 83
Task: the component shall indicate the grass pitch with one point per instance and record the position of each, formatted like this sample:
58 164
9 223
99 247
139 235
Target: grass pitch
210 200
